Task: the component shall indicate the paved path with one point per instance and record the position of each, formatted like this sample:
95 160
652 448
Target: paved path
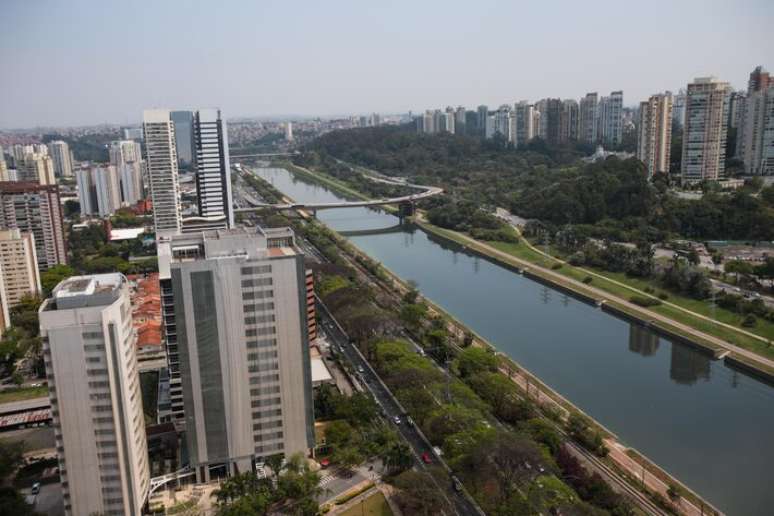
604 295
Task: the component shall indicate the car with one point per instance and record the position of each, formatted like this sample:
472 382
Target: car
456 484
426 458
409 421
396 420
325 463
360 369
35 488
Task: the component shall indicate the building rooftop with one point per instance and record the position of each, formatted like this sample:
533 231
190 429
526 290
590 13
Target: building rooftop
83 291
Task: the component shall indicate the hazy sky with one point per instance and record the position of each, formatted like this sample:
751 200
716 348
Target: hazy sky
74 62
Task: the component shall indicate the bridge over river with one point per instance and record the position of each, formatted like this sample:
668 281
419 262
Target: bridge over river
404 202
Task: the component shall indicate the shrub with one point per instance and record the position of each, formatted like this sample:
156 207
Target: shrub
556 266
649 289
749 321
644 301
587 280
663 296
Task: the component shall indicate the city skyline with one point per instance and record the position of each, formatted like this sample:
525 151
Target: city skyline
380 74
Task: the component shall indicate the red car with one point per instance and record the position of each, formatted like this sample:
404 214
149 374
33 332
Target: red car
426 458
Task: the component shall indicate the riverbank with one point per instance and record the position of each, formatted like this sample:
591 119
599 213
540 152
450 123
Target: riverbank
533 386
564 280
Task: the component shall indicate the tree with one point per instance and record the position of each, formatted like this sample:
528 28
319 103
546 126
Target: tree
418 494
397 457
413 314
473 360
275 462
347 457
53 276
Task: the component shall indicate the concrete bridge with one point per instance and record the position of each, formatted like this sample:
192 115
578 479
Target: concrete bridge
405 202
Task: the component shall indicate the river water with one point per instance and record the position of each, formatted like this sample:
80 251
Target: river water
705 423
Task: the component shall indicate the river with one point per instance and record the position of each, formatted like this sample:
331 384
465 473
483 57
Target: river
708 425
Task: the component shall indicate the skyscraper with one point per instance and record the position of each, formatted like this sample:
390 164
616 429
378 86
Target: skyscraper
757 133
36 167
587 122
235 302
460 120
525 129
483 115
568 121
760 80
161 163
705 130
654 137
60 154
124 151
87 191
131 182
184 138
610 119
35 208
213 169
108 190
94 388
678 108
19 274
289 131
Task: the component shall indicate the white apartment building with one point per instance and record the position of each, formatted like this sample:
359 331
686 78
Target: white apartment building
756 140
62 158
162 167
19 274
99 190
610 119
525 127
654 136
124 151
94 388
36 167
235 308
705 130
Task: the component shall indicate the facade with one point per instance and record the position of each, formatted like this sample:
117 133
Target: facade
705 130
568 121
610 119
35 208
99 190
96 403
213 169
460 120
161 163
654 137
483 116
19 274
108 190
678 108
87 191
130 175
587 118
525 128
60 155
36 167
235 303
124 151
184 138
550 119
757 135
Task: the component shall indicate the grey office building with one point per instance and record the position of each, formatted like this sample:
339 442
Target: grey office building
235 301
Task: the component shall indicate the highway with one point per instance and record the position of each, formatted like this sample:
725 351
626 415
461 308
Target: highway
339 340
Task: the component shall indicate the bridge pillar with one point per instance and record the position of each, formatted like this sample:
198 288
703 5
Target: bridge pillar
405 209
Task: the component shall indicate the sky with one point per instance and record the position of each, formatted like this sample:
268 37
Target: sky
82 62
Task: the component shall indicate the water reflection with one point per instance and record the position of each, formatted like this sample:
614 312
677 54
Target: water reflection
687 366
642 340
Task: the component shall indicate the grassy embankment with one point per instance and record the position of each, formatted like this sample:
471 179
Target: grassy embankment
24 393
522 251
